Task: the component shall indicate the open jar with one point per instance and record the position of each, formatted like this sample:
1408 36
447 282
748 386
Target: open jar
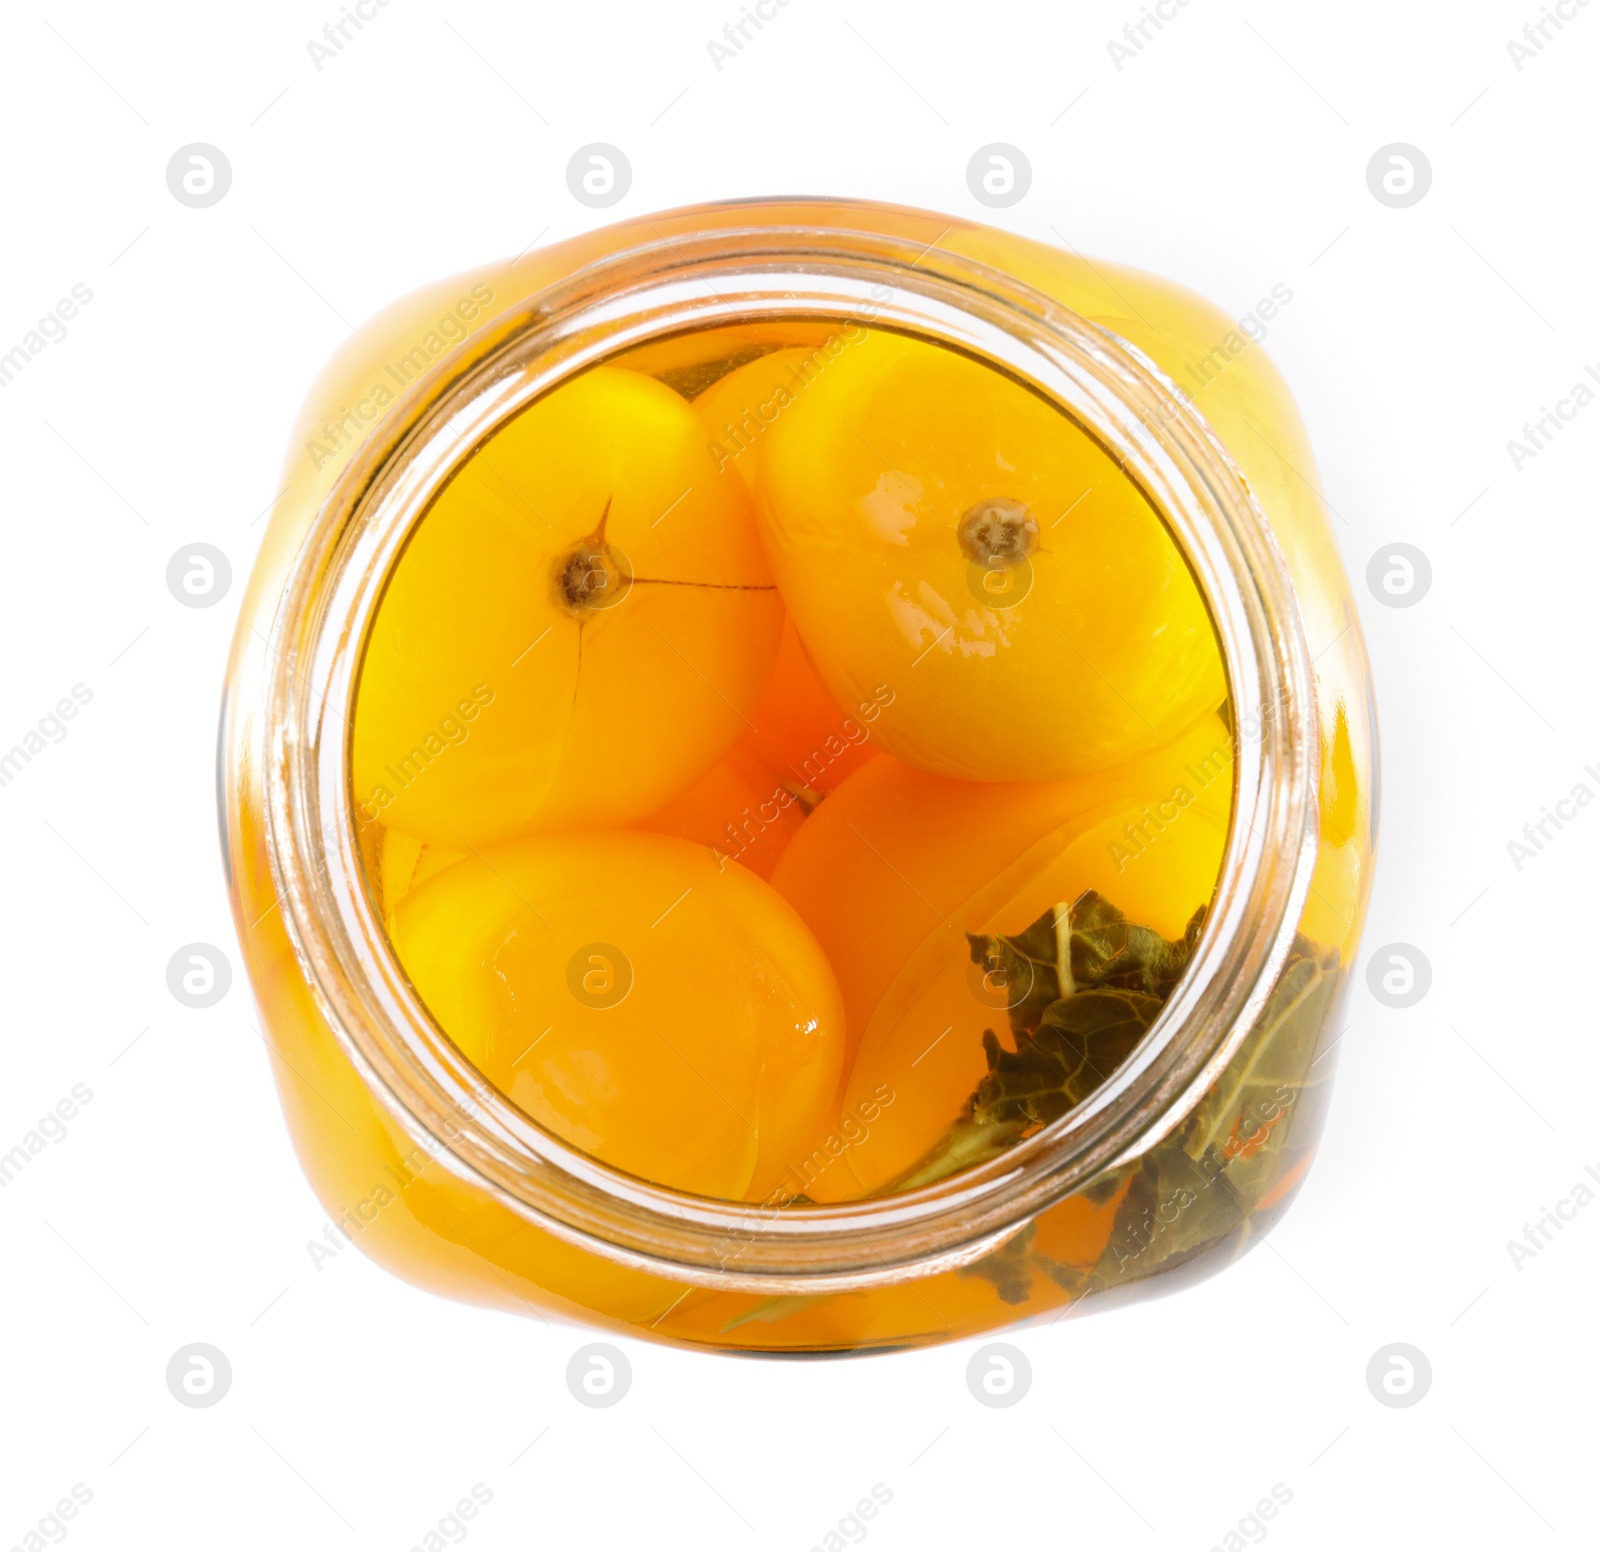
1164 1167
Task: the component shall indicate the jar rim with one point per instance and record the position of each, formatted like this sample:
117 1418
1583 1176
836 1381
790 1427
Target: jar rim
742 273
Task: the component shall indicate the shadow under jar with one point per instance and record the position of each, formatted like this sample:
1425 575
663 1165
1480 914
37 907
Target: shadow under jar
1058 1182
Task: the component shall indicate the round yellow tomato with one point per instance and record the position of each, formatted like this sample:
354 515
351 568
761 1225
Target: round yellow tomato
895 869
672 1016
576 632
943 535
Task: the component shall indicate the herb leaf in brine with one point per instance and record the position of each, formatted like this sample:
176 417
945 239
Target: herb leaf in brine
1084 985
1200 1185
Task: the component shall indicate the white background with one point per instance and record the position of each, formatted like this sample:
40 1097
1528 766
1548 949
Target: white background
1229 154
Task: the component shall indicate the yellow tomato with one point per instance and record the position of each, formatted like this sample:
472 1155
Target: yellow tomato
742 807
673 1017
800 730
405 863
577 631
691 363
898 866
738 409
944 534
798 726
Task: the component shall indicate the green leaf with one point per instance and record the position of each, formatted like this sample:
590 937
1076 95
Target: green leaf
1083 985
769 1311
1196 1190
1107 950
1176 1208
1009 1269
1278 1052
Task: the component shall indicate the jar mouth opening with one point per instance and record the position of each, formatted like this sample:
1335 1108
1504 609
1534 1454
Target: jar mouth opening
740 274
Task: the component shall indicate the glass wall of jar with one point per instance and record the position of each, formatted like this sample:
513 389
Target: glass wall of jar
1163 1172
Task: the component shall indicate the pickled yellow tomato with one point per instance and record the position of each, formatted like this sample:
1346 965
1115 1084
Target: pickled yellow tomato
738 409
577 631
940 531
673 1018
898 866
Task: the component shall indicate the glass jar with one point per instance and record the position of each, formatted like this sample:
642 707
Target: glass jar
1190 1150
